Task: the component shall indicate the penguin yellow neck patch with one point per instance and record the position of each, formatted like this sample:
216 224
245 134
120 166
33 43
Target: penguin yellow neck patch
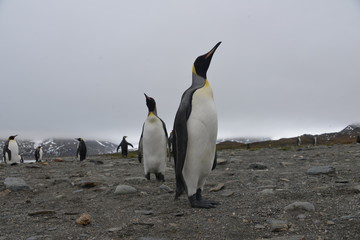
194 70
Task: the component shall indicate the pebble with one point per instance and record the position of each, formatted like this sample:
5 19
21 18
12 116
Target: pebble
124 189
221 161
267 191
115 229
227 193
144 212
217 187
306 206
278 225
320 170
16 184
84 219
166 188
257 166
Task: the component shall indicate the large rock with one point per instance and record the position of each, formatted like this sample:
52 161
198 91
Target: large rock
16 184
124 189
305 206
321 170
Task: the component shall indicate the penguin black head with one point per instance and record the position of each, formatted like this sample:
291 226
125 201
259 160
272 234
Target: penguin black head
202 63
124 137
12 137
150 103
79 139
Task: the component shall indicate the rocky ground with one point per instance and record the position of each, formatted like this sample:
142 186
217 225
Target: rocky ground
308 193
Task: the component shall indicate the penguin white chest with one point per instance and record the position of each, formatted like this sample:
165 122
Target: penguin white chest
154 145
14 148
202 133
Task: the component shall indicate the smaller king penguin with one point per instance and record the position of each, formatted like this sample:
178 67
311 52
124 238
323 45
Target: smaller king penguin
11 151
194 136
124 147
81 150
153 144
38 154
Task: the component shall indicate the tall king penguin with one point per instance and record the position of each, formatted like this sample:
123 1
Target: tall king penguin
11 151
153 144
194 135
81 150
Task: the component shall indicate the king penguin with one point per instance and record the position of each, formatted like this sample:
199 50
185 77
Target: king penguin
124 147
38 154
153 144
81 150
11 151
194 135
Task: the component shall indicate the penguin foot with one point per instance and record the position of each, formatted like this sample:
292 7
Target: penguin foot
195 203
160 177
199 198
147 176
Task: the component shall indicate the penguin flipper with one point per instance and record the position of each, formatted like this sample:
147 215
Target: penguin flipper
140 149
167 139
215 161
7 150
180 139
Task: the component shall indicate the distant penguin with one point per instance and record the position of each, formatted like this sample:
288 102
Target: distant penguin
153 144
124 147
38 154
81 150
11 151
314 140
195 133
298 141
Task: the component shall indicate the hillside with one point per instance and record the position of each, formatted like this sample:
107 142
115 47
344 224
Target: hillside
62 147
346 136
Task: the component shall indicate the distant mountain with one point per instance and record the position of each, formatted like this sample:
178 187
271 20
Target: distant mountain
62 147
346 136
245 140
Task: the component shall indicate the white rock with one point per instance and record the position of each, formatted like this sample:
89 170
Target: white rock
124 189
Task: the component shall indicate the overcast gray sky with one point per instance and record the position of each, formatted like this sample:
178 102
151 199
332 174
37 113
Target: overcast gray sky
81 68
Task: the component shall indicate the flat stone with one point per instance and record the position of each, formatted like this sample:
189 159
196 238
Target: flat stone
221 161
320 170
166 188
305 206
267 191
144 212
115 229
278 225
217 187
227 193
124 189
16 184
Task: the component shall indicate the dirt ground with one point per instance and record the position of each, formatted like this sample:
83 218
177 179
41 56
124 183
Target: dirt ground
254 188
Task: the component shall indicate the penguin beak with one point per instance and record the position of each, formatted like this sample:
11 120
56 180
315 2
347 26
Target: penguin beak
212 51
147 97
